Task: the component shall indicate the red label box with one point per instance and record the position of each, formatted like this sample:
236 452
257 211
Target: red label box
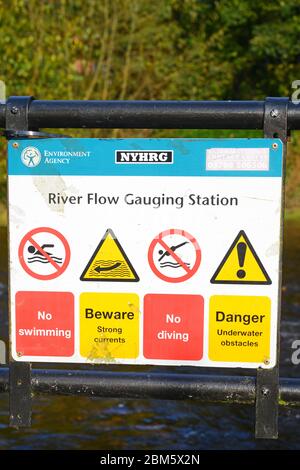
44 324
173 327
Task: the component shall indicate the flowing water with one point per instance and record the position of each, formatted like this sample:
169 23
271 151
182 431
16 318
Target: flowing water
85 423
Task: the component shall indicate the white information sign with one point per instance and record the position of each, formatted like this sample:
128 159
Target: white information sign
145 251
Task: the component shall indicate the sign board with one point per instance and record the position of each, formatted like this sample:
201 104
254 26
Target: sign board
145 251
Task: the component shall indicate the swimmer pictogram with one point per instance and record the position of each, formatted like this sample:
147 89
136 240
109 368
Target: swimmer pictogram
44 253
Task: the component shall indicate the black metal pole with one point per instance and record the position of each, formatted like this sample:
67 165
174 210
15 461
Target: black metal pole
164 386
267 381
20 396
150 114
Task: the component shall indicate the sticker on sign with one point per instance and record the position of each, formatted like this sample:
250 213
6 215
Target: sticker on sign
234 159
162 251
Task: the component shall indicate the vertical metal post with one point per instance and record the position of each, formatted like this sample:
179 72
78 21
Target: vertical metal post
20 400
267 382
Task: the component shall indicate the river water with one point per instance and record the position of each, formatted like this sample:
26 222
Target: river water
85 423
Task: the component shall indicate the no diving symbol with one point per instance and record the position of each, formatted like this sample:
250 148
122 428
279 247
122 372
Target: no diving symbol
44 253
174 255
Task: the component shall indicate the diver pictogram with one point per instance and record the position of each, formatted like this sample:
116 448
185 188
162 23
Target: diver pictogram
174 255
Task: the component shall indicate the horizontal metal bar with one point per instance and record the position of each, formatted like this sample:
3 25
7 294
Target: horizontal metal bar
171 386
143 385
150 114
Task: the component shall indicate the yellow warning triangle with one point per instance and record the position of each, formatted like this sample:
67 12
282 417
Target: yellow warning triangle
241 265
109 262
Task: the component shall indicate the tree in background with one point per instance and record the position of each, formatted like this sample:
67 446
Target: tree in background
150 49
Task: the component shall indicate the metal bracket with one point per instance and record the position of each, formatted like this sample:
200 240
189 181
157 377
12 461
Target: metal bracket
267 381
13 134
20 396
276 119
17 108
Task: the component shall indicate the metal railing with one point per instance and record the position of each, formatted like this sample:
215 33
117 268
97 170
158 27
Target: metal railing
25 116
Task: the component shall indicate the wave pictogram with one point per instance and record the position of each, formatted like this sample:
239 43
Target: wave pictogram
170 264
109 268
43 260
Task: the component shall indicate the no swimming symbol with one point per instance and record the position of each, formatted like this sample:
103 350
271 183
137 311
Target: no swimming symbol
44 253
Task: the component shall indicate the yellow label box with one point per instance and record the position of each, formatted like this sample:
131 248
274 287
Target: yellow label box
239 328
109 326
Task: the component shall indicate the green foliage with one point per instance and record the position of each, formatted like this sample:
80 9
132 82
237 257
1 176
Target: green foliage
150 49
176 49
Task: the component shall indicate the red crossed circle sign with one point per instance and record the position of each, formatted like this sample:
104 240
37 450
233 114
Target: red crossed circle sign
44 253
174 255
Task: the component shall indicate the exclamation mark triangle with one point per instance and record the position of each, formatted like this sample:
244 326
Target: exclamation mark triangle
241 251
241 264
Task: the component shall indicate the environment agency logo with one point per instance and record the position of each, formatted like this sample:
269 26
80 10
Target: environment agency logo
31 157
